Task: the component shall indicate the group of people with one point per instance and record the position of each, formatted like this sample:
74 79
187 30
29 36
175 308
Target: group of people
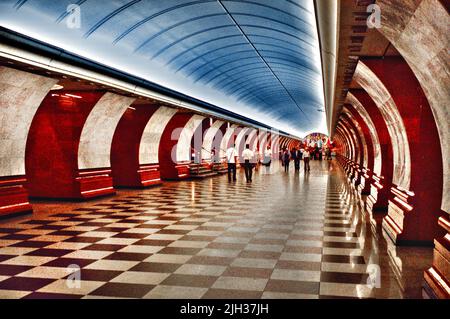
249 162
297 155
311 149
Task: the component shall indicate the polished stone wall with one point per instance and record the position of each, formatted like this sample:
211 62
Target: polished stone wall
21 93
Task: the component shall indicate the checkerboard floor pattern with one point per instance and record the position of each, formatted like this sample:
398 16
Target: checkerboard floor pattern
283 236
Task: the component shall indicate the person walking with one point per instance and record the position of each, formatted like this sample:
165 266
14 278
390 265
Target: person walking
286 159
231 161
299 157
306 156
248 157
296 159
267 156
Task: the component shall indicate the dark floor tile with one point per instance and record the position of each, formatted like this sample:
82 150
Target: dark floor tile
179 251
342 259
122 290
66 262
5 257
12 270
32 244
18 237
156 267
189 280
81 239
231 294
24 284
151 226
130 235
65 232
341 277
104 247
300 287
111 229
153 242
98 274
58 231
9 230
298 265
173 231
43 295
37 222
333 244
47 252
127 256
339 234
337 297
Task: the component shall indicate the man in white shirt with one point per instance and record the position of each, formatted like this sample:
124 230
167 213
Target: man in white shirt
267 156
231 160
248 157
306 156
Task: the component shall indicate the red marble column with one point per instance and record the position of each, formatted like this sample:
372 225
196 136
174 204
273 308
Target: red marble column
366 171
356 179
377 201
437 277
51 158
170 168
127 171
197 139
413 216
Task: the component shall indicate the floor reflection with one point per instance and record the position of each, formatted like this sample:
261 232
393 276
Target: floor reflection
286 235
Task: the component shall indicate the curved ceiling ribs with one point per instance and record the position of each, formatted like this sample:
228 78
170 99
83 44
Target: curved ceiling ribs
220 44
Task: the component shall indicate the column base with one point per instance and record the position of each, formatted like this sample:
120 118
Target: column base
13 197
437 277
149 175
93 183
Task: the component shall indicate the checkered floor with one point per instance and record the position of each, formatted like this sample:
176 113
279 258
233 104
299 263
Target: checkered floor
286 235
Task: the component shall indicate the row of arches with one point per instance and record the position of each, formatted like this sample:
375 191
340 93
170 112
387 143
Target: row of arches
392 134
63 142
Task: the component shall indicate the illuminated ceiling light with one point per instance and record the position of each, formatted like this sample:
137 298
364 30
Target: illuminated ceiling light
56 87
74 96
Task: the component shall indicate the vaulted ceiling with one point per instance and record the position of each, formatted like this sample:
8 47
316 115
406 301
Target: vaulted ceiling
258 58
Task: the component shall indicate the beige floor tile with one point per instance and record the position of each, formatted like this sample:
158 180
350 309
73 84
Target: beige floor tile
13 294
88 254
254 263
240 283
112 265
141 249
175 292
28 260
206 270
45 272
64 286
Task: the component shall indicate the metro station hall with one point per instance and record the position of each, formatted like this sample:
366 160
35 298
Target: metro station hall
224 149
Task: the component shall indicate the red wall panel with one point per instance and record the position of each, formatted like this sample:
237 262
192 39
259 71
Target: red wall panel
52 144
126 169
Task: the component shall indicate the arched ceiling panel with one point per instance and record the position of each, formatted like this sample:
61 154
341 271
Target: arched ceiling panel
258 58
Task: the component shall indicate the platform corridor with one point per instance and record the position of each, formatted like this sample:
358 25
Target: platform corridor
286 235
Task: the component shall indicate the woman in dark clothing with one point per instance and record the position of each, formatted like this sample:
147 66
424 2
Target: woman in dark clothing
286 159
